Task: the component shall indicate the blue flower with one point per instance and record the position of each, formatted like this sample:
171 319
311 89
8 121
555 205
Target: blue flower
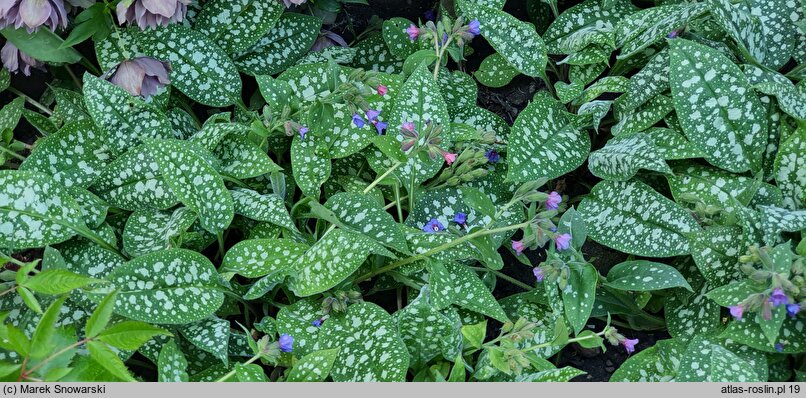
792 309
302 131
286 342
317 322
380 126
359 121
433 226
460 218
779 347
493 156
778 297
474 27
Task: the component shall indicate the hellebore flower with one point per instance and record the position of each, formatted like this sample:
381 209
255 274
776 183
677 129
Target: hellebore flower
629 345
539 275
474 27
302 131
460 218
563 241
736 311
141 76
382 90
792 309
553 201
286 342
413 31
151 13
359 121
17 61
317 322
289 3
778 297
327 39
33 14
492 156
433 226
449 157
518 246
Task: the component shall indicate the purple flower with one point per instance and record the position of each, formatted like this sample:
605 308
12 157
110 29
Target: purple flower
430 15
372 115
413 31
17 61
408 126
563 241
317 322
286 343
553 201
778 297
380 126
382 90
673 34
779 347
539 275
327 39
474 27
518 246
359 121
33 14
302 131
492 156
444 38
736 311
151 13
141 76
792 309
629 345
460 218
433 226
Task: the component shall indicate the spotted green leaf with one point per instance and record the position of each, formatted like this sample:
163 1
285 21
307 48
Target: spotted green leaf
631 217
285 43
706 361
791 336
461 286
243 159
236 25
717 109
149 230
458 89
310 165
397 40
254 258
650 81
623 156
692 313
296 320
672 144
579 295
125 120
543 143
495 72
134 181
716 252
314 367
423 329
212 133
651 25
790 166
644 117
712 186
373 54
370 347
482 119
774 220
174 286
209 335
268 208
551 375
658 363
642 275
172 364
364 215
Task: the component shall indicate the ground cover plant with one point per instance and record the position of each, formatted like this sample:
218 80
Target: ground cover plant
467 190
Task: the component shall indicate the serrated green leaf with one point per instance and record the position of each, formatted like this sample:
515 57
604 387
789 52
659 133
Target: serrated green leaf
109 360
130 335
57 281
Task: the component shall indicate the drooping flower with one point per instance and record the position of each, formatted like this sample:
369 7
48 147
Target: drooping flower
449 157
492 156
328 39
444 38
290 3
553 201
317 322
17 61
380 126
430 15
359 121
382 90
372 117
778 297
432 226
563 241
302 131
629 345
518 246
413 31
539 274
286 342
736 311
792 309
32 14
408 126
460 218
141 76
779 347
474 27
151 13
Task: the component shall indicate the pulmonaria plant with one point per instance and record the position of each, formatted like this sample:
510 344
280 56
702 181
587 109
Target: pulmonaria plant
229 191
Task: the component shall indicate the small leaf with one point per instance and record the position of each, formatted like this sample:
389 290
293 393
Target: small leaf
109 360
259 257
623 156
642 276
495 72
210 335
172 365
57 281
314 367
236 25
130 335
101 316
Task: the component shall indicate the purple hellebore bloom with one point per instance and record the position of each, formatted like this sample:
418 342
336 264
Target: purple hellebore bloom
518 246
286 343
302 131
629 345
539 275
493 156
413 31
17 61
317 322
359 121
460 218
433 226
33 14
553 201
778 297
474 27
792 309
736 311
563 241
141 76
151 13
328 39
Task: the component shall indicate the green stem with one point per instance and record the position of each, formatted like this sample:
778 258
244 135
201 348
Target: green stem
31 101
397 203
381 177
505 277
9 290
573 340
232 372
12 153
44 362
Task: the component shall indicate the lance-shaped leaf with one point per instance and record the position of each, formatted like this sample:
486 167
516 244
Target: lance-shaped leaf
646 27
712 186
774 220
423 329
650 81
93 208
791 338
297 320
591 17
672 144
134 181
172 364
658 363
74 155
717 109
482 119
692 313
330 261
790 164
36 211
258 257
633 218
285 43
314 367
543 143
364 215
174 287
642 275
516 40
310 164
267 208
716 252
213 132
623 156
148 230
579 295
200 69
495 72
209 335
236 25
370 348
644 117
194 182
125 119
